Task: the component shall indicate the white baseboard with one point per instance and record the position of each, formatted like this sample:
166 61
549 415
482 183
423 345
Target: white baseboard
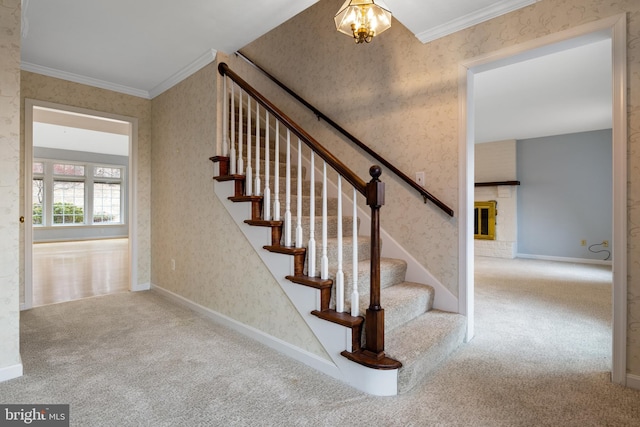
11 372
564 259
633 381
309 359
141 287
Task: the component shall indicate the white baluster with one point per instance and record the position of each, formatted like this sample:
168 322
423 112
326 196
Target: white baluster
355 302
276 180
324 262
287 193
240 136
225 120
267 170
232 154
311 249
339 273
299 198
256 191
248 181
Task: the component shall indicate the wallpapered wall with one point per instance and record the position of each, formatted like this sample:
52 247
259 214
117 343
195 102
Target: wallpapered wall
400 96
215 265
43 88
9 181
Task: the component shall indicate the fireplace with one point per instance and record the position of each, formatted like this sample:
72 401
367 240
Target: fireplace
484 220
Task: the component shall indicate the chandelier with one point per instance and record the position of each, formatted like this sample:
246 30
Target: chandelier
363 19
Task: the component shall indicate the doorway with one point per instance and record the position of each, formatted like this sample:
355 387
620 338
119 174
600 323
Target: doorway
79 202
614 29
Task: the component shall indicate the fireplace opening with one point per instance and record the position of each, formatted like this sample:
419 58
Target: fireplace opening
484 220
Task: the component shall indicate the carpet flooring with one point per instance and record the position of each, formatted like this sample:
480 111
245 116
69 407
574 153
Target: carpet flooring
540 357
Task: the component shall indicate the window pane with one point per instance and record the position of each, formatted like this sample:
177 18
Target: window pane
38 167
103 172
68 170
106 203
68 202
38 200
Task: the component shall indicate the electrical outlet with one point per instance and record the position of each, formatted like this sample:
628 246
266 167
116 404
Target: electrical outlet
173 264
583 242
605 243
420 178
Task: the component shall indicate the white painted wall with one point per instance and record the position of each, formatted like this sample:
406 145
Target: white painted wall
496 161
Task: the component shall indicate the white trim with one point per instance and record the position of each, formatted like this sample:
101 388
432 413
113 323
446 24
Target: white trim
476 17
131 202
10 372
77 78
207 58
28 206
633 381
613 28
564 259
306 357
620 210
140 287
466 168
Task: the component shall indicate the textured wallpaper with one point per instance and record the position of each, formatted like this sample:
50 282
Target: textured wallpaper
401 97
43 88
215 266
9 182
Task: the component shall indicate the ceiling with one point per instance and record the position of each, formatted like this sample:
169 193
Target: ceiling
144 47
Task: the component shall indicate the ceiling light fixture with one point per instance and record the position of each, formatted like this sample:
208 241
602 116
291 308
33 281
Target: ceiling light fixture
363 19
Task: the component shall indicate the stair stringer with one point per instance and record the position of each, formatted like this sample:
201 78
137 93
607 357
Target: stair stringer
333 337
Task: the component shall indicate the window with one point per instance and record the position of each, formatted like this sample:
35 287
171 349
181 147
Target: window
37 192
107 195
71 194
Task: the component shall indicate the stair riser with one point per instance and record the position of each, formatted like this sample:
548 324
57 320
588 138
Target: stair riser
282 169
402 304
332 229
364 252
332 206
391 273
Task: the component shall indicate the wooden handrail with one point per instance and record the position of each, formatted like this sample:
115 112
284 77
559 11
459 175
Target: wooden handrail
332 160
423 192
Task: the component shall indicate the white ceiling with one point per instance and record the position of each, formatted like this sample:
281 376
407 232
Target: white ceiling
557 93
144 47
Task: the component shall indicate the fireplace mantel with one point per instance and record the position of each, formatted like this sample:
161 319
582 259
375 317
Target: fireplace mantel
496 183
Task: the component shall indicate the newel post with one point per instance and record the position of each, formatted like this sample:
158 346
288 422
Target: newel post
375 313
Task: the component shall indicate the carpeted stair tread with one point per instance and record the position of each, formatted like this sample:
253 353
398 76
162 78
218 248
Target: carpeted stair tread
401 303
423 343
392 272
332 230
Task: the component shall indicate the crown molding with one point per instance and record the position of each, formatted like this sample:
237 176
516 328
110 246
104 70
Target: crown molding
208 57
474 18
77 78
196 65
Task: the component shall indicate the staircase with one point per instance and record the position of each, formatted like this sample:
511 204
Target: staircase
396 347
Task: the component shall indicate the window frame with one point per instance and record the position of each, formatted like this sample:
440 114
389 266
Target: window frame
89 180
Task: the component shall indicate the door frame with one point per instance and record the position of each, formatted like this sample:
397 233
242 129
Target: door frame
132 175
615 29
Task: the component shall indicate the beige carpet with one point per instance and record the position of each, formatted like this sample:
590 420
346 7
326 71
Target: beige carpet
540 357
